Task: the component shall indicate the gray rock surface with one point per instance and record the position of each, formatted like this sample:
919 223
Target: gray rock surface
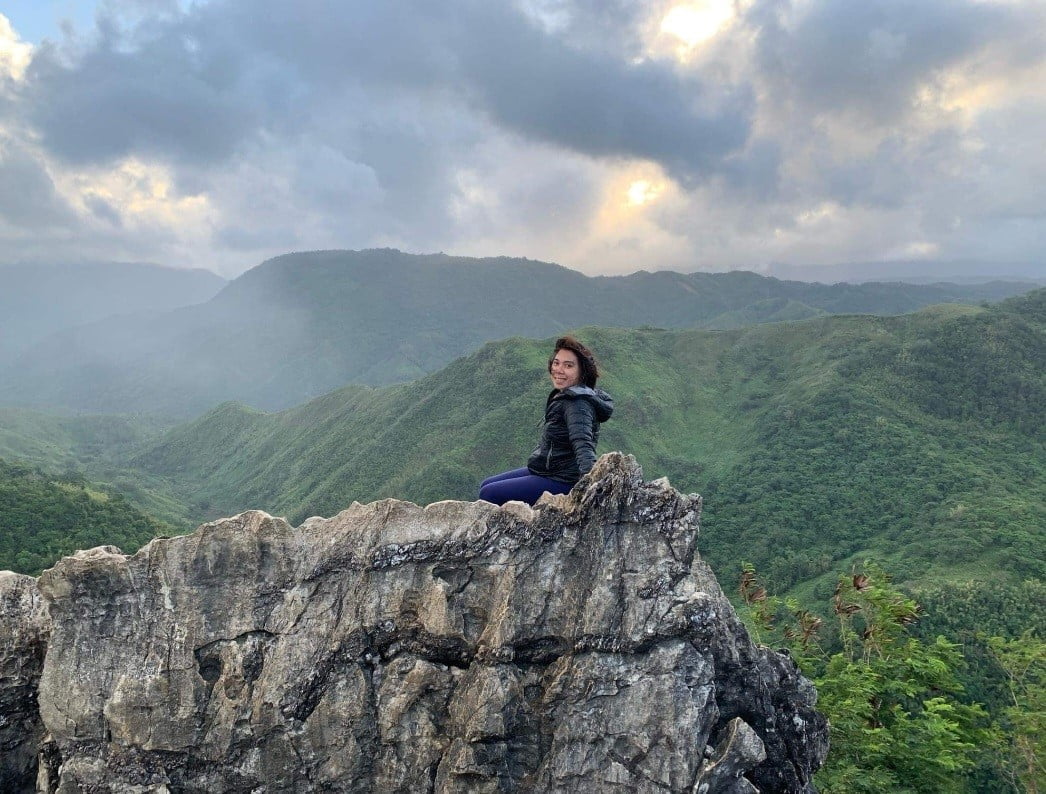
461 647
24 628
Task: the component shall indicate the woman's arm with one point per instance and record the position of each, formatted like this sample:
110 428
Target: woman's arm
580 417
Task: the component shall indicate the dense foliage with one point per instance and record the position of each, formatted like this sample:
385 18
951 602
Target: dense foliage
900 718
1023 661
43 517
922 443
96 447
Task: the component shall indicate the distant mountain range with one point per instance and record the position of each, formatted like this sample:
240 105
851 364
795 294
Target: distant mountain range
38 300
915 271
300 325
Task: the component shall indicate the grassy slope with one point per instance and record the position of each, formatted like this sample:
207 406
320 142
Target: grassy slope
68 441
915 439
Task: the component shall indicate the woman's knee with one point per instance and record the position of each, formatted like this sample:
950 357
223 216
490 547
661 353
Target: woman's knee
497 491
505 475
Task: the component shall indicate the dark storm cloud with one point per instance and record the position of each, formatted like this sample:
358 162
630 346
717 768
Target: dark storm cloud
157 99
598 104
753 173
873 57
194 88
607 25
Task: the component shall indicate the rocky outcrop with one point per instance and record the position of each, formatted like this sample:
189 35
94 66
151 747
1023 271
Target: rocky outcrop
24 627
461 647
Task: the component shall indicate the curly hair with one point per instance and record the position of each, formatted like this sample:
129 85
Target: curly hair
586 361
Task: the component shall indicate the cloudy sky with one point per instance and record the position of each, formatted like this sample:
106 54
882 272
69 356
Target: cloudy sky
606 135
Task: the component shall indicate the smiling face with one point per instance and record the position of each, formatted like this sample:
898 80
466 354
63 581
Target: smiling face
564 369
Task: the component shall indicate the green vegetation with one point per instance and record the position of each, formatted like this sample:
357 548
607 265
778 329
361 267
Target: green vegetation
1023 660
96 448
900 718
917 440
44 517
815 444
58 442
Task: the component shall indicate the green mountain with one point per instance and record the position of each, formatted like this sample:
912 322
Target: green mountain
93 446
770 310
56 442
39 300
43 517
917 440
300 325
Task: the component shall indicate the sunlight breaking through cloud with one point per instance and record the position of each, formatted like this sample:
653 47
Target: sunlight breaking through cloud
696 22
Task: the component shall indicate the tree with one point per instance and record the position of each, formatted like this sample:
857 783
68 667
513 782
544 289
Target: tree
892 701
1024 662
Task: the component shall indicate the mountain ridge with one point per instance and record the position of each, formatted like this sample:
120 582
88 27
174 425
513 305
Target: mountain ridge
299 325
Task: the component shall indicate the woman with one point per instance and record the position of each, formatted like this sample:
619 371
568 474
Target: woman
573 412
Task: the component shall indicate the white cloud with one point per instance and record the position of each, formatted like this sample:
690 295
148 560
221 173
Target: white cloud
14 53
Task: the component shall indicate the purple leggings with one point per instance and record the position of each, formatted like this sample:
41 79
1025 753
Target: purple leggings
519 485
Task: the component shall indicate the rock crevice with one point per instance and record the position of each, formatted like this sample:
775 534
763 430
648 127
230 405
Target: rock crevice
579 646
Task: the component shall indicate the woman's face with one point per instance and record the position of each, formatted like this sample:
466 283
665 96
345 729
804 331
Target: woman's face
565 371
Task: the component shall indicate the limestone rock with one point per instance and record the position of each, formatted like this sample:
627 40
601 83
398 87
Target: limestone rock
460 647
24 628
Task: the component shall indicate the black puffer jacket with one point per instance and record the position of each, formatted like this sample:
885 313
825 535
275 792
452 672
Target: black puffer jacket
569 435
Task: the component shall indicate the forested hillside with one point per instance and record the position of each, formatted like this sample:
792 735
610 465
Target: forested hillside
922 444
43 517
299 325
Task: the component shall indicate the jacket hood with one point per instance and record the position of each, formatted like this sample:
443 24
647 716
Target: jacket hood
601 401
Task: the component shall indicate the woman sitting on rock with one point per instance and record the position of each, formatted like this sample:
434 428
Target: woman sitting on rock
573 412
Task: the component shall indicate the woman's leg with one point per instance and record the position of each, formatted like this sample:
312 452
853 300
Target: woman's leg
526 488
506 475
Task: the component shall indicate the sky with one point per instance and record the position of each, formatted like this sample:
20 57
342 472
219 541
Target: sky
608 136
